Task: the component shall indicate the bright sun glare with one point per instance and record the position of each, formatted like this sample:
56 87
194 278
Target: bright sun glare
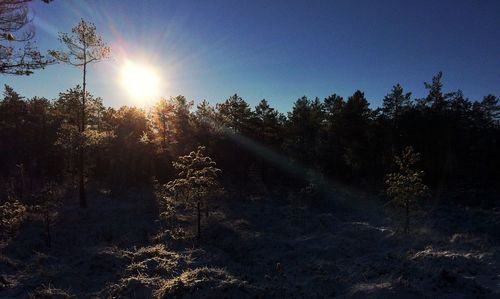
140 81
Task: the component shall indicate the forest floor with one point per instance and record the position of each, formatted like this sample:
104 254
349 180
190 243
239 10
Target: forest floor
254 248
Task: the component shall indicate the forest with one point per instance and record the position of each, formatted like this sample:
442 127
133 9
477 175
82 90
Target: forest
191 199
320 144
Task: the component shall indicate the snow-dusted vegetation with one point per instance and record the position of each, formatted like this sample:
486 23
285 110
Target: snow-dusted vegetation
255 248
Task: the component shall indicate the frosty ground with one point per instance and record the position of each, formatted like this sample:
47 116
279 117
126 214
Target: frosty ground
254 247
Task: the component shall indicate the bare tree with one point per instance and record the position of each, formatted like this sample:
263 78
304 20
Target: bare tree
18 55
84 46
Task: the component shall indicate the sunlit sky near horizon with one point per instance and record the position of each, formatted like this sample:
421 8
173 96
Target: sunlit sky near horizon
278 50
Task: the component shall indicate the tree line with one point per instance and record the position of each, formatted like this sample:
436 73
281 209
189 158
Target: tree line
259 149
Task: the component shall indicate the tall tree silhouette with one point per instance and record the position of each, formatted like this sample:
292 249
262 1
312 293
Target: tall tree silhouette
66 111
396 101
204 122
84 46
268 122
395 104
304 126
131 151
234 114
233 118
435 99
13 117
331 149
161 114
354 130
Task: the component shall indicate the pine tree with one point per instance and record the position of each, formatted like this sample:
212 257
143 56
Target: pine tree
354 128
84 46
161 115
406 185
171 121
267 123
204 123
304 128
234 114
71 138
435 99
196 181
395 102
47 203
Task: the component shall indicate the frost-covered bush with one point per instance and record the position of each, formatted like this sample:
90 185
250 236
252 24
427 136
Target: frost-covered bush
12 215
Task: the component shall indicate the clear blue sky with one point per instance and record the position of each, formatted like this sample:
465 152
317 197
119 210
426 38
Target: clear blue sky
279 50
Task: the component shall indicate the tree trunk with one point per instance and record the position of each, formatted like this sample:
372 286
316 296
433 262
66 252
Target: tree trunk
164 123
198 206
81 168
407 224
21 193
48 238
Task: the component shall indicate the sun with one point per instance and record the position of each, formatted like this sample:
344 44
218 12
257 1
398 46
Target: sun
140 81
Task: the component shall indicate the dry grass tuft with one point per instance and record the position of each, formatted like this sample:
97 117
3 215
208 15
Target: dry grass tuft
50 292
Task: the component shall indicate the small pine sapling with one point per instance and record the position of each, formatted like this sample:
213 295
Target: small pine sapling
166 204
406 185
12 215
196 182
47 203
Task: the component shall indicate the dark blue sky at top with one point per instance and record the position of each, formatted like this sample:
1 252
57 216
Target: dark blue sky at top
279 50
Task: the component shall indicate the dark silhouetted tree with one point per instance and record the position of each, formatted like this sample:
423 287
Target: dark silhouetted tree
395 102
233 119
204 124
161 115
353 126
435 98
131 152
71 138
234 114
303 130
331 148
268 124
